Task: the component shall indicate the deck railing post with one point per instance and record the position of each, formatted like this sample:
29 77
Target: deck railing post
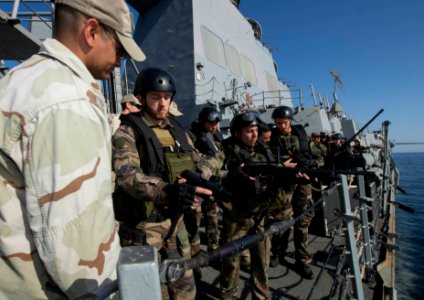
363 201
386 168
348 219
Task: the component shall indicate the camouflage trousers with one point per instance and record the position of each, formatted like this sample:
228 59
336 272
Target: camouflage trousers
211 212
177 246
260 256
294 204
192 220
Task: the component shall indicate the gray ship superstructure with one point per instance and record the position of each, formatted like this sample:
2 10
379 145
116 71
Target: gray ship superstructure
214 52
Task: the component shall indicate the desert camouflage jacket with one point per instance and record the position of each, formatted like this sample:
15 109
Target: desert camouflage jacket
58 235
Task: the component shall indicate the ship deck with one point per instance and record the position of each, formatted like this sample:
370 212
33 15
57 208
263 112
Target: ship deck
284 282
327 245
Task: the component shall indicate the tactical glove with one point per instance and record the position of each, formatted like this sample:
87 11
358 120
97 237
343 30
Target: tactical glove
181 195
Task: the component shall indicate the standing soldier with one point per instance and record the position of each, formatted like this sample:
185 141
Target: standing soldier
149 151
264 132
246 211
129 104
207 139
58 236
292 145
317 148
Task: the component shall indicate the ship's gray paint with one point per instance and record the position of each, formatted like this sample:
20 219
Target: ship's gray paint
170 34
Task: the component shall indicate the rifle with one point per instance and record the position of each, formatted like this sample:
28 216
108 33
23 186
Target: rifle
347 143
172 270
217 189
278 170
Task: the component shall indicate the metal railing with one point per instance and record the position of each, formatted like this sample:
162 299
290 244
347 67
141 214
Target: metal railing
29 11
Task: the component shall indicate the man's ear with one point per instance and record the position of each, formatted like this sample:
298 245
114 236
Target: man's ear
91 32
141 100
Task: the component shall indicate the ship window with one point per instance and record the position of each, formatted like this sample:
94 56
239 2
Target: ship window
214 47
233 60
249 70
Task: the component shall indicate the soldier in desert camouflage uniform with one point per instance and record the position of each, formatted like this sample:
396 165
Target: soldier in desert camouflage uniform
150 150
58 236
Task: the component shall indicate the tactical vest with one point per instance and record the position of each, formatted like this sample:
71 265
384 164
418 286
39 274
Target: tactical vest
287 145
299 131
164 162
160 161
196 132
249 197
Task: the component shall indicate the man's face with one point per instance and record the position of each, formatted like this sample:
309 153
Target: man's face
133 108
156 104
107 55
284 125
249 135
265 137
211 127
337 142
316 139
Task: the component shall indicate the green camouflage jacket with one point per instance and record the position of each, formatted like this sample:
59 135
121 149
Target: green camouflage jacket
127 156
57 225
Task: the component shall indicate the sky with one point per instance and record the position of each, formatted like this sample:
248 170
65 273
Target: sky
377 47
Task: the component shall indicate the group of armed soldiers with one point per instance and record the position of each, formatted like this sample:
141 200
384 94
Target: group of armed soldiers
158 207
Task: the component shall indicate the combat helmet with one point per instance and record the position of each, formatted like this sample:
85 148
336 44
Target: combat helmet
209 114
243 120
336 136
282 112
154 79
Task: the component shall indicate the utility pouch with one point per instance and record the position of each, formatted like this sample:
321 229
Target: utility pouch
176 162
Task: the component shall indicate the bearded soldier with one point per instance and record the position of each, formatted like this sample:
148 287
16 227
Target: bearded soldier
150 150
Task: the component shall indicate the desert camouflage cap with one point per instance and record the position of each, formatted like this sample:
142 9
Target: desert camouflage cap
114 14
173 109
130 98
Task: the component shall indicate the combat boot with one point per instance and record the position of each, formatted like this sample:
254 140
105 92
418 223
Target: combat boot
304 270
275 261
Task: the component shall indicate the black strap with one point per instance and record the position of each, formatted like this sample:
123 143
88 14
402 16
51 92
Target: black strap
155 165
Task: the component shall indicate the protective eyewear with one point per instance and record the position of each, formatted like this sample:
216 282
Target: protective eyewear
119 49
215 116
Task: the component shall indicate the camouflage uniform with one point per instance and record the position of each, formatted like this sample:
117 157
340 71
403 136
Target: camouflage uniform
245 215
210 210
318 149
58 236
292 200
150 194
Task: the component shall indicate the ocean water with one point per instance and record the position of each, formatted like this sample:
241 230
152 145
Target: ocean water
410 227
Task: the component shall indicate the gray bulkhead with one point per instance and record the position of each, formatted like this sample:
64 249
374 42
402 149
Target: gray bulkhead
210 49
